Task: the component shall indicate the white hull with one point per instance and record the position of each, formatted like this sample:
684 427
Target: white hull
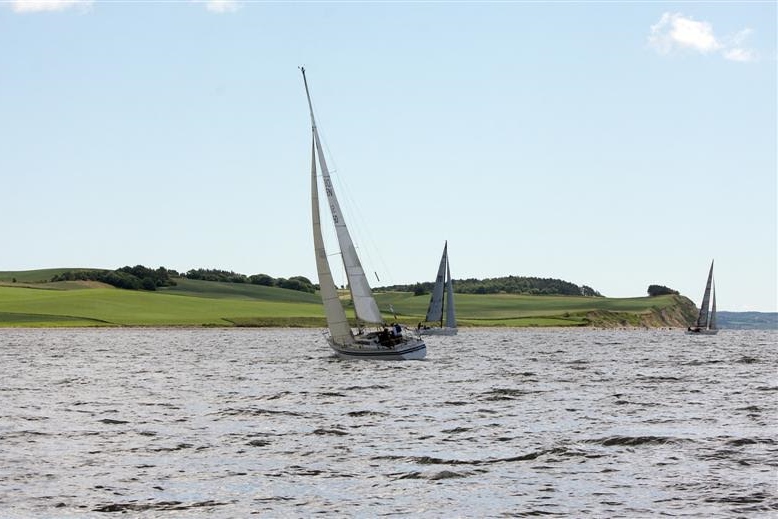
445 331
368 347
701 332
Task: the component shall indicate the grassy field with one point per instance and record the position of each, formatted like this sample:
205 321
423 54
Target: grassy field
31 302
520 310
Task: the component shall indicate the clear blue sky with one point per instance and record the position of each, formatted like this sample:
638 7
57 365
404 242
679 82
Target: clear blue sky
609 144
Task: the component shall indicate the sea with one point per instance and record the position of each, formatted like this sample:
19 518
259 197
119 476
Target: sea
495 422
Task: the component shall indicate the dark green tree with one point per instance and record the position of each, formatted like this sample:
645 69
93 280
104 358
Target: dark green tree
262 279
660 290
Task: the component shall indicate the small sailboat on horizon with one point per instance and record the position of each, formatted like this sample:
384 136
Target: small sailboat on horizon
382 342
706 320
441 302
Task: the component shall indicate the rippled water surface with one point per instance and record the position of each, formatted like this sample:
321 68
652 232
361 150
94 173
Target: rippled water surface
495 423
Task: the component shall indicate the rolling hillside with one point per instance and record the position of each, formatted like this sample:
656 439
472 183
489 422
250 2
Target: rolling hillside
30 301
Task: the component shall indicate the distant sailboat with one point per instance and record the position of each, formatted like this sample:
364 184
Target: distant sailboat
442 298
706 321
381 342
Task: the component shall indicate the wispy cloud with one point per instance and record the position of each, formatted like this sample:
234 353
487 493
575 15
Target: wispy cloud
740 55
735 49
220 6
678 33
37 6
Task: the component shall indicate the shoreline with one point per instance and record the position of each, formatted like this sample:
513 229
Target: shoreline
254 328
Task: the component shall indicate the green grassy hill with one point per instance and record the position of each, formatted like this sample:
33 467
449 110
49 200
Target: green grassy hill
525 310
30 301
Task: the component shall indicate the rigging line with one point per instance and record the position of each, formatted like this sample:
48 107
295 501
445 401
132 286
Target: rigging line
335 178
355 219
351 209
365 242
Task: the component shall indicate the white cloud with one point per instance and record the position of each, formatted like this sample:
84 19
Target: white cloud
220 6
37 6
678 33
738 54
674 32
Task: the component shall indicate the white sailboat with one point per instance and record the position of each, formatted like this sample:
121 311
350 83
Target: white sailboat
706 321
441 300
381 342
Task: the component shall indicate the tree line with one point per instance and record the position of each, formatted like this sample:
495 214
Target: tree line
504 285
140 277
129 278
300 283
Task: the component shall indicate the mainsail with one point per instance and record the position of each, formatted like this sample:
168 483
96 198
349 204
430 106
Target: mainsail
435 309
702 319
364 303
442 295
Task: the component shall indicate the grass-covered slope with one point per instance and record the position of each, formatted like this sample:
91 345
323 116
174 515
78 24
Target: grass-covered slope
21 306
525 310
31 302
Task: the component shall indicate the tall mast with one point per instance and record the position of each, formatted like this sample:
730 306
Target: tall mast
308 95
365 306
445 280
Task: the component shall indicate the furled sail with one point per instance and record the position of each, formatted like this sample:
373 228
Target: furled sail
340 330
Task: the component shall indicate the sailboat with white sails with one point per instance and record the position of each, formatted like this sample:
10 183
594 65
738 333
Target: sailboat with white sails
441 300
381 342
706 321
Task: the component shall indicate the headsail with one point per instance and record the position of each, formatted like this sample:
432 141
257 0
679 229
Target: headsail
712 320
364 303
435 309
340 330
451 320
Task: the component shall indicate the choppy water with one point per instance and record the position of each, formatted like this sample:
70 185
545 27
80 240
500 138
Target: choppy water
495 423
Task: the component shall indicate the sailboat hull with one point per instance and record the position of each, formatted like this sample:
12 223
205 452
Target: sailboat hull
444 331
409 349
701 332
